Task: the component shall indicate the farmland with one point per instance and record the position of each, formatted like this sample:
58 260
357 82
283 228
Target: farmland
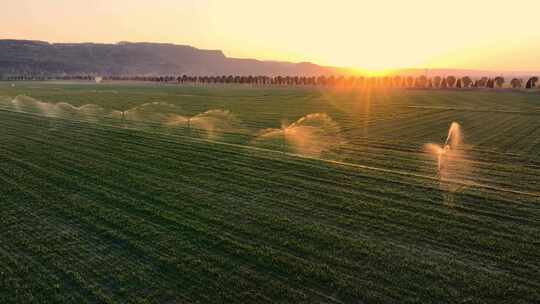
98 206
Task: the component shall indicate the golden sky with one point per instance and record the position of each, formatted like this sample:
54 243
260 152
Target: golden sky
382 34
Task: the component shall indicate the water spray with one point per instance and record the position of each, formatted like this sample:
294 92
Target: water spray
451 161
310 135
212 122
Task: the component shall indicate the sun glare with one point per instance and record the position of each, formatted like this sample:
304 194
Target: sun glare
373 72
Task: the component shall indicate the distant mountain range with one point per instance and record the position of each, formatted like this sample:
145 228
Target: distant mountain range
22 57
27 57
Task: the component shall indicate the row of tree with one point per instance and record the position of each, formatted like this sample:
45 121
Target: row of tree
352 81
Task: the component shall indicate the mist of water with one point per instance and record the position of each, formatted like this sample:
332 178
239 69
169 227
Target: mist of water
310 135
452 165
152 112
212 123
28 104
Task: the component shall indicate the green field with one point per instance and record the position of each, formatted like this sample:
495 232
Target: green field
99 208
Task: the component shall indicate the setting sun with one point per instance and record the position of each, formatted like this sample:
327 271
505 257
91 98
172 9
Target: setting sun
369 35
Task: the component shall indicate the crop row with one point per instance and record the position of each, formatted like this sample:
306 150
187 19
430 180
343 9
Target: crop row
110 214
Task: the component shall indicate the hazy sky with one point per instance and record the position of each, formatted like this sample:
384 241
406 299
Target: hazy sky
377 34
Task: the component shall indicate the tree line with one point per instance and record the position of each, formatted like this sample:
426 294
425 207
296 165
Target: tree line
332 81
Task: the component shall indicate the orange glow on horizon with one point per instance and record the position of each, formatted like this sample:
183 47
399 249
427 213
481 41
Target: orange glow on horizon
371 36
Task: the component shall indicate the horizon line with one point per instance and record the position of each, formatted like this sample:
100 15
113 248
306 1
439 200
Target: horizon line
350 69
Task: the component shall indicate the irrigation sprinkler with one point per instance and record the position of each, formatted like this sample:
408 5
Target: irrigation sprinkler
189 126
284 142
124 119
